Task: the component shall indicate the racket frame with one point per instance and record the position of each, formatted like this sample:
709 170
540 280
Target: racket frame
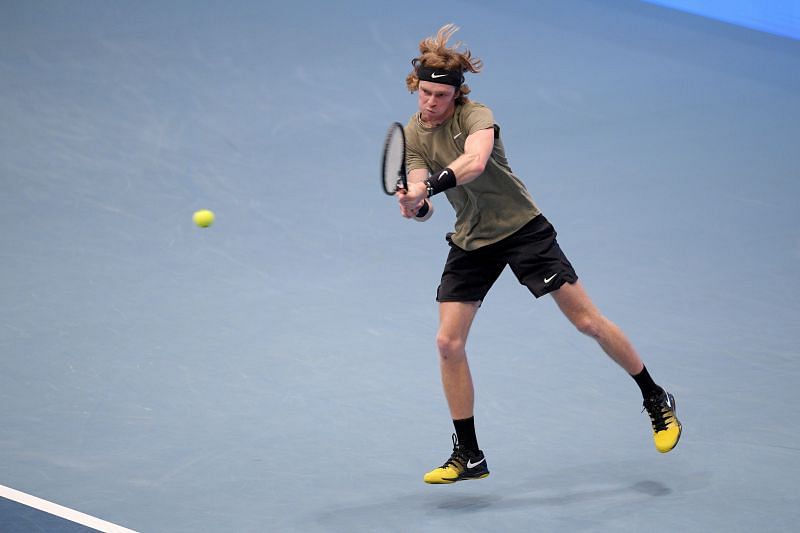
402 180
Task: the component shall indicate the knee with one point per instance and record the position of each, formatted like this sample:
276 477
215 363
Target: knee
450 348
589 324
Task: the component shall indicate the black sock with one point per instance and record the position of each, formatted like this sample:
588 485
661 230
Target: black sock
465 432
646 383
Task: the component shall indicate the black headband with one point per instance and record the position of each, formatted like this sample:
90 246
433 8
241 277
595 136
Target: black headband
440 75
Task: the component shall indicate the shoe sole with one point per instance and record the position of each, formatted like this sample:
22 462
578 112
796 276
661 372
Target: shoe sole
451 481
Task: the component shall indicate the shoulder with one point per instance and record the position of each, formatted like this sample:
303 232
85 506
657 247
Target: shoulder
474 108
475 116
412 128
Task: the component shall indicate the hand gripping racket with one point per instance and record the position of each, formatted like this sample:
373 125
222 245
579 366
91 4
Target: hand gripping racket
394 164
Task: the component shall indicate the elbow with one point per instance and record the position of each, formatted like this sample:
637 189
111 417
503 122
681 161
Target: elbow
476 167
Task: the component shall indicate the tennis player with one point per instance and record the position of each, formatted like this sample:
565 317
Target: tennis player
454 147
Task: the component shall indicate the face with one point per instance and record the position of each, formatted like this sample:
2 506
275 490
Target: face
437 101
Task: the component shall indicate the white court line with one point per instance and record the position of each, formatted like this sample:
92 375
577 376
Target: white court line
62 512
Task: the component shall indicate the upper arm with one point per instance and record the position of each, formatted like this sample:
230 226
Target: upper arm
479 145
478 148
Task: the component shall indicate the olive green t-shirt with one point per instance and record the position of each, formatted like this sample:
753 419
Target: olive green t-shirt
492 206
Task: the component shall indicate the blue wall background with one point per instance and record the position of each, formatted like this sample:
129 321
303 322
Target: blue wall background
781 17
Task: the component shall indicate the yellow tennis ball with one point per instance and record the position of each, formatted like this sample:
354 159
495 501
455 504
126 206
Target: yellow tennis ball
203 218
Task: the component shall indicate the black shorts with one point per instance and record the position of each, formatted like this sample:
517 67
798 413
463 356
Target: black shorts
532 252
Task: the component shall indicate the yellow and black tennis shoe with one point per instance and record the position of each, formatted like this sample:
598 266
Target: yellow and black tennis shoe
463 464
666 427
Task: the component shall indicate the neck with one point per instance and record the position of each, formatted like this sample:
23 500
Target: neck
439 121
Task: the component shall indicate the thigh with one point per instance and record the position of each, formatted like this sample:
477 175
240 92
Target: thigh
455 319
468 276
574 302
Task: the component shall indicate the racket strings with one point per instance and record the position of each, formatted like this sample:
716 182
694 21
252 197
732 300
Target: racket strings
394 159
394 163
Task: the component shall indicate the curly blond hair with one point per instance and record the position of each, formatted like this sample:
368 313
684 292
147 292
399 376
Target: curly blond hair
435 53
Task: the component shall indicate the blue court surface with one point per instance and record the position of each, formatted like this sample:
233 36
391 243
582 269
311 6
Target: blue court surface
277 371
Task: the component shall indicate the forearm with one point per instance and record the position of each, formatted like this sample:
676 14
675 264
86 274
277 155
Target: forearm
467 167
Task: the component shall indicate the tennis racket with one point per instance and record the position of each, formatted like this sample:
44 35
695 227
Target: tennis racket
394 164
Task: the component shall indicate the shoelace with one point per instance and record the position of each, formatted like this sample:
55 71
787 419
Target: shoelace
458 458
657 409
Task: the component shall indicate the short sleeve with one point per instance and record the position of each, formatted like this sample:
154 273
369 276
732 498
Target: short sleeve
414 159
477 117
